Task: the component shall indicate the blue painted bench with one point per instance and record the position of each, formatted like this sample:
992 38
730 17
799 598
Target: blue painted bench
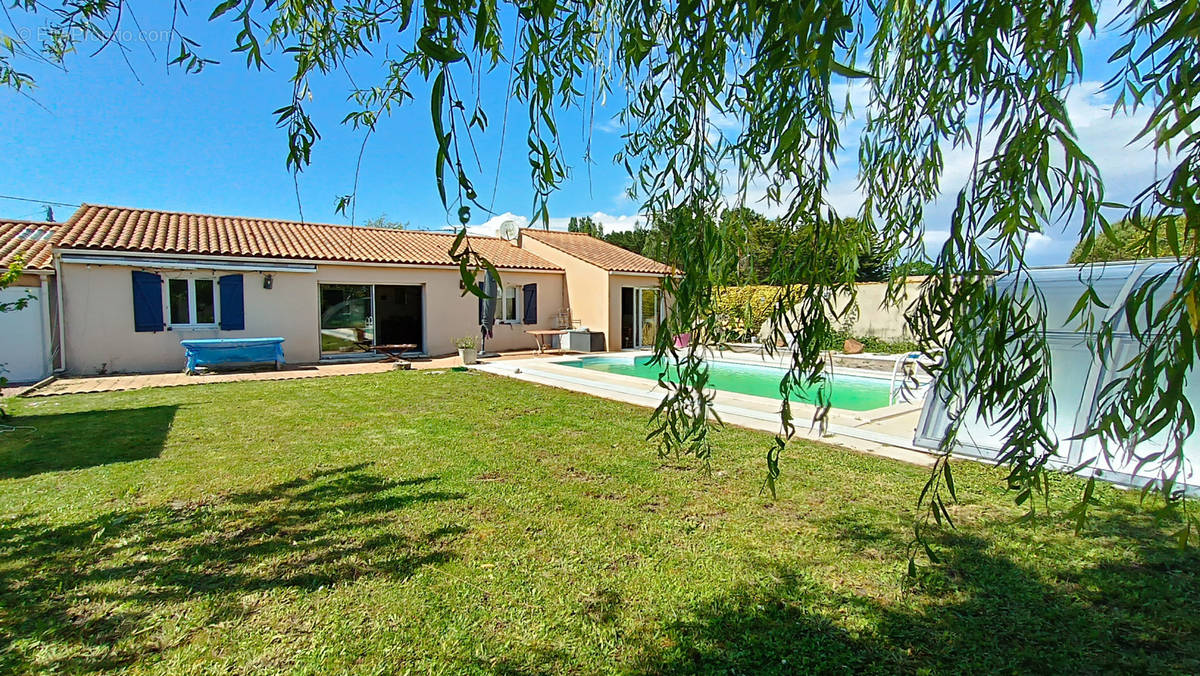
232 351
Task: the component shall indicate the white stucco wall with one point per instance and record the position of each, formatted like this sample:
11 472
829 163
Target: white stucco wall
588 290
882 319
874 315
449 314
98 313
24 345
593 294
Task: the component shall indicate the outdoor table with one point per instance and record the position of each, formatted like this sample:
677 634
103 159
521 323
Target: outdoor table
394 352
211 351
541 335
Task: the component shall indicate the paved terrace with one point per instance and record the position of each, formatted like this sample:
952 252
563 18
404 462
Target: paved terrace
119 382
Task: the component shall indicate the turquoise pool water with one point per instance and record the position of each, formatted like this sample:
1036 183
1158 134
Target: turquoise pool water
854 393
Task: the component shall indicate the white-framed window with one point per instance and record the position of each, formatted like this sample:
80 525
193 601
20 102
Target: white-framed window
192 302
510 305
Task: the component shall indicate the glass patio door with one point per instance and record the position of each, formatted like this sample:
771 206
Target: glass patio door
347 318
648 315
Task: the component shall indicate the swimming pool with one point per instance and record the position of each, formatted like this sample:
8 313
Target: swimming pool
850 392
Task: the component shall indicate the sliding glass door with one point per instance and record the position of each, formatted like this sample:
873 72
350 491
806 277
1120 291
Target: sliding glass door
357 317
399 316
648 315
347 318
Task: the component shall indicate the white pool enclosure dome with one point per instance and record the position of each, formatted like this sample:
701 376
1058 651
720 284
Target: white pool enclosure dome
1078 377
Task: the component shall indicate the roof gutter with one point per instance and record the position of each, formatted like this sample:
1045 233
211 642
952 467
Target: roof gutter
256 263
184 263
656 275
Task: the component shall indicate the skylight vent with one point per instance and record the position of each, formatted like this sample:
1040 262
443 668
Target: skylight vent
36 234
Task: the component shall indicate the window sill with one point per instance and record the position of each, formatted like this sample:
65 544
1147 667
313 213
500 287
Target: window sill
193 327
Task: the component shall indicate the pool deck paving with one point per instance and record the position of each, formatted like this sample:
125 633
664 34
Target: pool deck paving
886 432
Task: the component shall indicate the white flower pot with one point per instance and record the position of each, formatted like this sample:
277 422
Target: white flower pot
468 355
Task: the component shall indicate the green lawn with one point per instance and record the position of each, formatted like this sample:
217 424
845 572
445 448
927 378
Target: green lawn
460 522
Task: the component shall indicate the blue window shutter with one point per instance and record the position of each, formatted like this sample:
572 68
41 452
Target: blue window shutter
530 292
233 303
147 302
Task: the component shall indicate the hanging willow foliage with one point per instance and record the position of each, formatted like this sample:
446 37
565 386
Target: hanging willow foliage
722 98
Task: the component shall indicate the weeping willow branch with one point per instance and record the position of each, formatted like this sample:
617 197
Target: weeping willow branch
725 100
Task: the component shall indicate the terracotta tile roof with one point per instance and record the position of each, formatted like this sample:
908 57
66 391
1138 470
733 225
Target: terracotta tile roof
596 251
31 240
106 228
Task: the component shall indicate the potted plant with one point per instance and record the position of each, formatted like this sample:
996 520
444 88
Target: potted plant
468 349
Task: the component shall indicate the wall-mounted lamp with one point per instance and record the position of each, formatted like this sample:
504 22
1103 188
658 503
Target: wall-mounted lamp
268 281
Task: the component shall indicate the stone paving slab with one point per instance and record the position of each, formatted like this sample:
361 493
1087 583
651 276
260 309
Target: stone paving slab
135 382
125 381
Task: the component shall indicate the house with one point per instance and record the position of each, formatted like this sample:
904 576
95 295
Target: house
609 289
28 344
134 282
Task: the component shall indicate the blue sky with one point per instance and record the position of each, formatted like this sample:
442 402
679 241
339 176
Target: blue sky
208 143
146 137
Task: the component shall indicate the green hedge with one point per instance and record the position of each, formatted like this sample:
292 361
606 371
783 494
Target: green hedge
744 309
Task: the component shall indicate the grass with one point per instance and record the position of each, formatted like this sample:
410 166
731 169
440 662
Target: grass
459 522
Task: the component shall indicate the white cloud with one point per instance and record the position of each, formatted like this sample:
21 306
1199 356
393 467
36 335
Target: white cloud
1125 166
857 94
844 196
622 223
723 121
611 125
489 227
934 239
1038 242
611 223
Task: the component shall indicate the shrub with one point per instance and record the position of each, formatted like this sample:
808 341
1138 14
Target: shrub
744 309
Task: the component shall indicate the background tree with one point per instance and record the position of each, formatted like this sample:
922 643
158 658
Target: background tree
587 225
726 96
763 236
632 240
1129 240
874 261
770 242
915 268
382 221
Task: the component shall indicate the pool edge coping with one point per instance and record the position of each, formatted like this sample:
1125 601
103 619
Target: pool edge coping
841 429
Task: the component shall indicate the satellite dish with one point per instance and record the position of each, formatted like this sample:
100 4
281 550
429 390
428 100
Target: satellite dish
508 230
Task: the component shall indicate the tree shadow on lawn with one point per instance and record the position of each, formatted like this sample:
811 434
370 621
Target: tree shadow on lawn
91 594
978 612
65 441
